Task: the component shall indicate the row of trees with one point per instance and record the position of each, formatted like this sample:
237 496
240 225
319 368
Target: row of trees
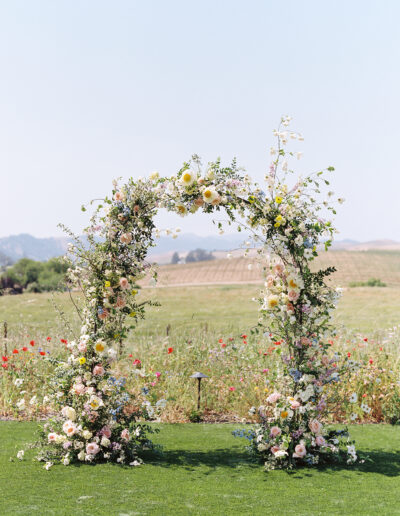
33 276
197 255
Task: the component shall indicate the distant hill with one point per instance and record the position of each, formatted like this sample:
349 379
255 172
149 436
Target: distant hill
14 247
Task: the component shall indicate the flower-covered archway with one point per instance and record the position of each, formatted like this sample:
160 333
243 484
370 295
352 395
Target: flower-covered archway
285 219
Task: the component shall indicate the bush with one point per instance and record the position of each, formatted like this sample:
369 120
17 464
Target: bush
372 282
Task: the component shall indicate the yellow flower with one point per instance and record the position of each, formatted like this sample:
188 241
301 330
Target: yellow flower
107 284
279 218
252 199
99 346
266 389
284 414
256 388
278 199
134 292
132 314
82 360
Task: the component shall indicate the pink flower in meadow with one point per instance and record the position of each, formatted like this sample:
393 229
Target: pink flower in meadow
92 448
52 437
106 431
278 269
274 449
293 296
125 238
157 374
153 384
320 440
124 283
125 434
270 281
232 389
275 431
299 451
294 404
265 370
78 388
274 397
98 370
82 347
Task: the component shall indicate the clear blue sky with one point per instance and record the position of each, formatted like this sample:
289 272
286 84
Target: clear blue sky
91 90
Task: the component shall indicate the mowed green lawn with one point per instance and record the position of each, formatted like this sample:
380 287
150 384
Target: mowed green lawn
223 308
203 470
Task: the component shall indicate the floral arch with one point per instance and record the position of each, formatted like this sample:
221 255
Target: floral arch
287 226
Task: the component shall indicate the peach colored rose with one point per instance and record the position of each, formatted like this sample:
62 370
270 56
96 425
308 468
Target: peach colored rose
299 451
98 370
320 440
305 341
278 269
124 283
119 196
275 449
125 434
125 238
136 208
120 302
270 281
82 347
315 426
92 448
275 431
294 404
78 388
293 296
290 307
199 201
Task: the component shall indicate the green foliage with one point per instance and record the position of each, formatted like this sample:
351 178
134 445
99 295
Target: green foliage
35 276
199 255
372 282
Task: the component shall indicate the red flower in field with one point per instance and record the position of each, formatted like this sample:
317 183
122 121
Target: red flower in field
5 366
136 361
364 395
244 336
380 349
371 361
221 341
63 341
245 342
349 355
5 359
130 355
232 389
15 351
32 343
223 345
24 348
48 339
365 340
170 350
42 353
230 339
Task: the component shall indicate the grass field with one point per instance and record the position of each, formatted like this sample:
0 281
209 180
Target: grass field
203 470
225 308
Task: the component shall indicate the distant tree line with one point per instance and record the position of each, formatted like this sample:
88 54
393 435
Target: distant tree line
32 276
197 255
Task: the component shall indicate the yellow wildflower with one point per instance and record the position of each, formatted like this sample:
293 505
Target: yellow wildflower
82 360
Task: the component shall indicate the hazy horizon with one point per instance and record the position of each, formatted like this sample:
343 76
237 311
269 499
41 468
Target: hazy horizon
92 91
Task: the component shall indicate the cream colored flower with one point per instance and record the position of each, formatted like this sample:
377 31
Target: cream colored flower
188 178
210 195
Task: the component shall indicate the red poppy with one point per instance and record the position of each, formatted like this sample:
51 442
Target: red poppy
380 349
244 336
32 343
170 350
63 341
48 339
5 366
223 345
232 389
24 348
245 342
5 359
371 361
221 341
42 353
364 395
365 340
349 355
136 361
15 351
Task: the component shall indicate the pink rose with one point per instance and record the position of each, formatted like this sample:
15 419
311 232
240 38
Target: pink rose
315 426
78 388
270 281
92 448
125 238
305 341
106 431
299 451
294 404
119 196
125 434
278 269
275 449
275 431
320 440
98 370
274 397
293 296
124 283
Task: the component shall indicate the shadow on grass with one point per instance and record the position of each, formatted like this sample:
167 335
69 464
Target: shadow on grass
379 462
